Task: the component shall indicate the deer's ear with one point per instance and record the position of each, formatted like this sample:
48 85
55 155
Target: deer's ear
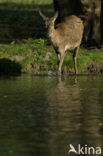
55 16
42 15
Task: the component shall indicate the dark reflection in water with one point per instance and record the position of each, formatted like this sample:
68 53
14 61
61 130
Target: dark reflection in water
41 116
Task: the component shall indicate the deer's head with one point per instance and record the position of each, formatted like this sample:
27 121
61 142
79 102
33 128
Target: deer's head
48 21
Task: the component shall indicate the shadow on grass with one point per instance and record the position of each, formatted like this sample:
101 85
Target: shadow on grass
19 21
8 67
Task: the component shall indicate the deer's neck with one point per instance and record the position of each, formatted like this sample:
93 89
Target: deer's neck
52 34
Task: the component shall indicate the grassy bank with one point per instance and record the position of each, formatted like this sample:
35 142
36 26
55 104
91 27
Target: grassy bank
37 56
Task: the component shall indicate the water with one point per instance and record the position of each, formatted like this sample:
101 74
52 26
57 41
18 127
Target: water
41 116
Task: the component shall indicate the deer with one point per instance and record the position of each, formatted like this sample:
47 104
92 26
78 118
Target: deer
64 36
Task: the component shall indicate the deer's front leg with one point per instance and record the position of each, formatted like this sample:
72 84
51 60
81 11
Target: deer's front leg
60 59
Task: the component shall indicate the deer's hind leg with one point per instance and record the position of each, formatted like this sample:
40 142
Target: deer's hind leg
75 58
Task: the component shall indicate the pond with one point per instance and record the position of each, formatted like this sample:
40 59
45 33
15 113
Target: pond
43 115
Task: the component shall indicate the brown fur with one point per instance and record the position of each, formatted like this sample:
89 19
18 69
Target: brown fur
65 36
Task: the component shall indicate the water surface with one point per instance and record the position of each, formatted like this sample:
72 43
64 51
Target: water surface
41 115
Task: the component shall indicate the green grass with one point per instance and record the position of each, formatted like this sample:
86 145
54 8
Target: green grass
30 55
37 56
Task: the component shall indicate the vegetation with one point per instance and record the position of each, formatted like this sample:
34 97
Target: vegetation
37 56
23 43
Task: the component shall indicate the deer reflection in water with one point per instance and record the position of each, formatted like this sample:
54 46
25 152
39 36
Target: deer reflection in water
69 118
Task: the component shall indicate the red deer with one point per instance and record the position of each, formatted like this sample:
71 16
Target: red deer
66 35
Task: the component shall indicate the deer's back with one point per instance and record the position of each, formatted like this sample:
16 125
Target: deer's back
70 31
